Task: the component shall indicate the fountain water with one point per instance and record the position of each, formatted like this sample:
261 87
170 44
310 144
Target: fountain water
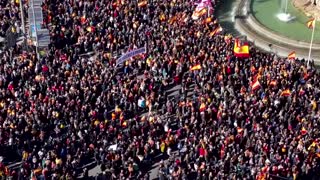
284 15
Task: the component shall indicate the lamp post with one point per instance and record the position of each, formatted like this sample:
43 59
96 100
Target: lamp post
35 30
286 8
23 24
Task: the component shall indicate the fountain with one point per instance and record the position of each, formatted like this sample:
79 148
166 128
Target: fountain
284 16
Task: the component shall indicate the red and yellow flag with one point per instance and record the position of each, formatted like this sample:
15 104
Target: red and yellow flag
286 93
292 55
273 83
184 18
216 31
83 19
311 23
239 130
202 107
196 67
199 13
172 19
207 20
303 131
124 124
314 143
90 29
241 51
142 3
162 17
255 85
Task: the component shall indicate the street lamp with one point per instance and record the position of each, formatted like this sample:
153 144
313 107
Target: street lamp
23 24
35 30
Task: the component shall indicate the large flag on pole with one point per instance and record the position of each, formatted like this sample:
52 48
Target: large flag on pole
311 23
241 50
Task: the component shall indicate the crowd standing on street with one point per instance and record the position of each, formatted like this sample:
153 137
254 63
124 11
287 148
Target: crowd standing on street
70 108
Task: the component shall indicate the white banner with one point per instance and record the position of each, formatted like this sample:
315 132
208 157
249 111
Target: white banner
130 54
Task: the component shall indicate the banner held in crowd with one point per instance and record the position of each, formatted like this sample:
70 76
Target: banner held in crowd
130 54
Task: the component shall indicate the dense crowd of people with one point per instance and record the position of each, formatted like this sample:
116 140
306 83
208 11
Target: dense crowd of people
75 106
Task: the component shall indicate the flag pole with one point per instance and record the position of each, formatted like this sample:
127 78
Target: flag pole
312 36
286 8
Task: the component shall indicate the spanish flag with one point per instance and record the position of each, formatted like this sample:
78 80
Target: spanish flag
172 19
117 110
196 67
207 20
124 124
184 18
311 23
113 116
255 85
83 19
115 4
216 31
312 145
90 29
198 13
202 107
261 176
142 3
256 77
241 51
273 83
292 55
286 93
162 17
303 131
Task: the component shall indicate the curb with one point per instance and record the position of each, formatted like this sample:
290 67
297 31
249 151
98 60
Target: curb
262 37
